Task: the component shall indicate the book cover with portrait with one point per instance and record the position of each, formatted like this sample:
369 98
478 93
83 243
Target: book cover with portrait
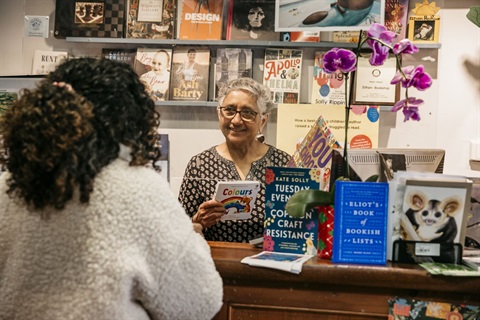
282 71
190 74
201 19
153 67
284 233
150 19
231 64
251 20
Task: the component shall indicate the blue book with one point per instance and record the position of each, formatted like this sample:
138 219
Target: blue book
360 222
283 233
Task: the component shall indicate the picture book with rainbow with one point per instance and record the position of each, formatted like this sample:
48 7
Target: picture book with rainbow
238 198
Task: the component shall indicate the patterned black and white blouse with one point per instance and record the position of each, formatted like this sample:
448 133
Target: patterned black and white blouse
201 176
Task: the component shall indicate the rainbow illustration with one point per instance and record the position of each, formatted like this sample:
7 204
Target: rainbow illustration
237 204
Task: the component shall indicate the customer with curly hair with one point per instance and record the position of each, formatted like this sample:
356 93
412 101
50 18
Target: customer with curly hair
88 229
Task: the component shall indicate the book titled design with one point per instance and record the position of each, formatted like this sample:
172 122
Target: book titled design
101 19
231 63
120 54
251 20
282 232
201 20
237 197
327 89
282 73
153 67
151 19
46 61
360 222
190 74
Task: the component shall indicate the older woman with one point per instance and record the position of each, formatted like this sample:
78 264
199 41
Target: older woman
243 110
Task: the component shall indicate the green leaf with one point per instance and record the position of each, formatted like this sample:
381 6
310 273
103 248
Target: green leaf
474 15
304 200
373 178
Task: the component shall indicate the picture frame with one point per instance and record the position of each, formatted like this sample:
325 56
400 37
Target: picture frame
424 29
371 84
323 15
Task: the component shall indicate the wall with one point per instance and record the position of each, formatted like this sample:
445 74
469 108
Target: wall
450 116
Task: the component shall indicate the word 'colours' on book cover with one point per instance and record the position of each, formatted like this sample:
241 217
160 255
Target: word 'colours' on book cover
284 233
190 74
251 20
201 20
153 67
282 71
231 63
360 222
151 19
237 197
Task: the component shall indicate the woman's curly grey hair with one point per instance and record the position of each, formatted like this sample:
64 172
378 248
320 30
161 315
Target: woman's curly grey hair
260 92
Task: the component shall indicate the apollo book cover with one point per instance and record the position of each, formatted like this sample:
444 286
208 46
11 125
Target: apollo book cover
238 198
153 67
282 232
95 19
201 19
231 63
190 74
282 71
251 20
150 19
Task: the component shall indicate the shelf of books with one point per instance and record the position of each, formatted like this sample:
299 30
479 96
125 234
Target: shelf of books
229 43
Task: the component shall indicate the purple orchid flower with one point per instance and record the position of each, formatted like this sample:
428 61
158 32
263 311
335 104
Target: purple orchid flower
410 108
380 51
413 77
339 59
405 46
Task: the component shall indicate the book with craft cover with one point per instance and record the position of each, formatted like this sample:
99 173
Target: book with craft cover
153 67
360 222
231 63
282 232
150 19
201 20
327 89
93 19
282 71
238 198
126 55
190 74
46 61
251 20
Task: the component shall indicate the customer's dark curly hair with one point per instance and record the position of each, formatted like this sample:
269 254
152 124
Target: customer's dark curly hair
57 140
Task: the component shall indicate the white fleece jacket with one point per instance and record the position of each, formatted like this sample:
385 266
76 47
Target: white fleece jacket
130 254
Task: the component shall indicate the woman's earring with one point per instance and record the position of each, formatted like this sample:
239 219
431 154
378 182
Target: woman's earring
260 137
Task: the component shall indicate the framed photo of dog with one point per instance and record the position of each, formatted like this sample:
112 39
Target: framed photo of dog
433 217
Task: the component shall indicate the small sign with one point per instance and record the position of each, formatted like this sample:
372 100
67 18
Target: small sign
427 249
36 26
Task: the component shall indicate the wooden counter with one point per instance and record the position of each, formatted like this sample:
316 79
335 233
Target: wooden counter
327 291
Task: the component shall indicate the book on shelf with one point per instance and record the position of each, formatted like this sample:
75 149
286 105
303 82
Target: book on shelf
7 98
46 61
327 89
396 12
415 308
201 20
360 222
345 36
94 19
471 258
278 260
238 198
424 29
190 74
153 67
282 71
430 212
126 55
150 19
472 235
231 63
251 20
301 36
282 232
450 269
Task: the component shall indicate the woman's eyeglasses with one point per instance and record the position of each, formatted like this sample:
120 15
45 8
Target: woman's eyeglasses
245 114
